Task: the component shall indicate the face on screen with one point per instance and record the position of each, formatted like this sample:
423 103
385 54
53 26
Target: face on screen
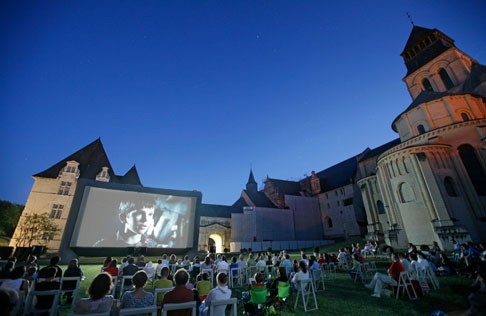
139 221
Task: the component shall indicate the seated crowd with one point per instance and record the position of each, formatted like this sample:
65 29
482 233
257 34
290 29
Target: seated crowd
188 281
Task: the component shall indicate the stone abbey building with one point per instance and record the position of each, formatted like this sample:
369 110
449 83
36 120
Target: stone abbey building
427 185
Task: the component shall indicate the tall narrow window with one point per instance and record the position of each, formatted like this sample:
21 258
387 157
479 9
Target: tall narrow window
329 222
465 117
446 79
56 211
450 186
380 207
427 85
421 129
474 169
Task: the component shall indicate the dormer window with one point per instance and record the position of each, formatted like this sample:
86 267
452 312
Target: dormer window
70 171
103 175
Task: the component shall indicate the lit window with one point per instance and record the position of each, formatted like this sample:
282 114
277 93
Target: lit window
64 188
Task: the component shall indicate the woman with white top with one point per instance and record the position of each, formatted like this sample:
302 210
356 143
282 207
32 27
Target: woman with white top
303 274
221 292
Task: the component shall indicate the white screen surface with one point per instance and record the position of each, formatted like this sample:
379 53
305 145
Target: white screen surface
118 219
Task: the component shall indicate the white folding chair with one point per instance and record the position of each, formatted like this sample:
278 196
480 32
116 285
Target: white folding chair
74 290
210 273
215 303
305 290
236 277
126 284
178 306
20 304
250 272
432 278
318 277
138 311
160 291
113 289
406 285
30 302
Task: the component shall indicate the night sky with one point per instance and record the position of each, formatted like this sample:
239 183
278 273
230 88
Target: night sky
195 93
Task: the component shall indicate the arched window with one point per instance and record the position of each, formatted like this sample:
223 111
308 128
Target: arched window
405 193
450 186
421 129
474 169
465 117
380 207
427 85
446 79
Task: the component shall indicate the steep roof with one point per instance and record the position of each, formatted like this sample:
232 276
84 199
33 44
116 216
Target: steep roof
237 207
379 150
476 77
91 159
286 187
338 175
214 210
422 53
259 199
251 178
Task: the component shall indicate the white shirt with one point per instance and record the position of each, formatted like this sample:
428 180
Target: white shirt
222 265
221 292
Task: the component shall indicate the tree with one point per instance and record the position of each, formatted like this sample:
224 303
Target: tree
38 228
9 217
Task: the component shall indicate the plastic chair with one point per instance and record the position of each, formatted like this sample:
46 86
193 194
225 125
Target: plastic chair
178 306
318 277
160 292
126 284
210 273
216 303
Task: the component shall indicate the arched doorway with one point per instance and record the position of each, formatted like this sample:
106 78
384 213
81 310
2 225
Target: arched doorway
218 242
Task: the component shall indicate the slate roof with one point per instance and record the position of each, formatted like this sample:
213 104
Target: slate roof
237 207
260 199
427 54
286 187
380 149
338 175
91 159
214 210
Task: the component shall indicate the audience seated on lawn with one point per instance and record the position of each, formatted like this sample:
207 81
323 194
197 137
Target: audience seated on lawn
180 293
163 283
149 269
112 269
203 285
356 266
406 264
380 279
477 299
242 262
207 264
99 301
16 281
282 277
301 275
221 292
107 261
73 270
138 297
131 268
50 282
8 300
222 265
54 263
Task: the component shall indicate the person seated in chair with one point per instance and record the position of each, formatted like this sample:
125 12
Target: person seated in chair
282 277
99 301
180 293
49 283
221 292
379 279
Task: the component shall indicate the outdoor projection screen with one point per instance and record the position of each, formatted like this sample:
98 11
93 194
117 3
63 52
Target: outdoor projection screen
110 218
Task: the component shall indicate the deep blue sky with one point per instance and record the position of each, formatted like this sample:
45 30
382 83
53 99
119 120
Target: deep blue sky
195 93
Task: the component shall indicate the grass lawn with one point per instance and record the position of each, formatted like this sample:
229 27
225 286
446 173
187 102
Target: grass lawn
345 297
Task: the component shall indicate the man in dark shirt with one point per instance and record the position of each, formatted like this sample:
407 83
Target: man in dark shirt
48 284
54 263
130 269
